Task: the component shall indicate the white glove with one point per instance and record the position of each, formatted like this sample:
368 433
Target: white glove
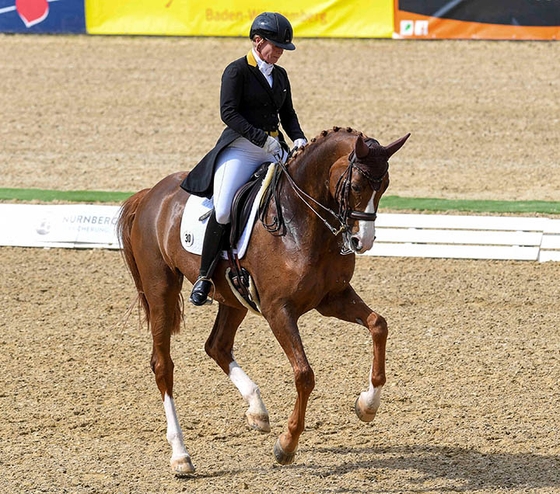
272 146
300 143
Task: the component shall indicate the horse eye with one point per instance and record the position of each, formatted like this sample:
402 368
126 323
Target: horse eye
356 188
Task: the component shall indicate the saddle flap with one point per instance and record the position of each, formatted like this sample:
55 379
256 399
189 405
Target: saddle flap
243 202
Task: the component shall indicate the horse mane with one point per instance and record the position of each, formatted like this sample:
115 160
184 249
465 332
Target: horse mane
372 143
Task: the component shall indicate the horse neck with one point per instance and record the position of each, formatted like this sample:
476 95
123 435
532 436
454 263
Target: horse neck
310 170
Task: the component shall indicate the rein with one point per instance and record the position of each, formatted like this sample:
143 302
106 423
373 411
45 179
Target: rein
343 186
278 225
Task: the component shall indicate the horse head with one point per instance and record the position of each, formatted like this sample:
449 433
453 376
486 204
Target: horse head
357 182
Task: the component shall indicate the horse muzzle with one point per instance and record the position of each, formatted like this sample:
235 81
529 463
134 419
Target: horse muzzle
362 240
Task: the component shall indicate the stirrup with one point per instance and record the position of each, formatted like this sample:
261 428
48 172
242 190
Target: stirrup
200 290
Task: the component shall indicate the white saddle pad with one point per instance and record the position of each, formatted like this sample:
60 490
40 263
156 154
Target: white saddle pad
196 214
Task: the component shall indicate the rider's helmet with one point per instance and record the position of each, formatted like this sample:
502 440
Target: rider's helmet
275 28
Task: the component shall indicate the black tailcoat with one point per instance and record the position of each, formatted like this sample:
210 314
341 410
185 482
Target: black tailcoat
250 108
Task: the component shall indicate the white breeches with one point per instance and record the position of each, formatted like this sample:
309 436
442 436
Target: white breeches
236 164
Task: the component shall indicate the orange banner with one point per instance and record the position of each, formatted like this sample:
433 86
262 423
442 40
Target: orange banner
456 19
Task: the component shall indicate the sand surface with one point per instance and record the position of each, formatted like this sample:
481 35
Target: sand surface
472 399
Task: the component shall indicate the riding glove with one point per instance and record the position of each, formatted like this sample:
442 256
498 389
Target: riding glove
299 143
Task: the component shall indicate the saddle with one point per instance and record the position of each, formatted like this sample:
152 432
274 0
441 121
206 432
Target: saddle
238 277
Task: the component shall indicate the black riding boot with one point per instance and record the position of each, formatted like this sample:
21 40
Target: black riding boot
211 247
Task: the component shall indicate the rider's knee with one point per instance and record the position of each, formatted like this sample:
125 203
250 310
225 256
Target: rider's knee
222 215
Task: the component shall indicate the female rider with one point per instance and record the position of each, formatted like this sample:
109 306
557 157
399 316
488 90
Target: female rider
255 97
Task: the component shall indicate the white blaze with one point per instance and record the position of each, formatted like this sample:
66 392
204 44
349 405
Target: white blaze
366 232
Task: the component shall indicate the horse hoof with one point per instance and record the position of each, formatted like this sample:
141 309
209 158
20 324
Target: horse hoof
281 456
363 415
182 466
258 422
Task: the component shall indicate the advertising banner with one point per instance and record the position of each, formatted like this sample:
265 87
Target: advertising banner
42 16
60 225
309 18
478 19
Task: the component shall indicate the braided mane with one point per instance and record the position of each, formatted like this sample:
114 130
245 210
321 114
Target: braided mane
322 135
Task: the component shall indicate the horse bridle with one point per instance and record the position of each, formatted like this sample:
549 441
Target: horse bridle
344 185
342 196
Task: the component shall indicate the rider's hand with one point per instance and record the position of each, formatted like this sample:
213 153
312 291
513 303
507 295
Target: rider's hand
298 143
272 146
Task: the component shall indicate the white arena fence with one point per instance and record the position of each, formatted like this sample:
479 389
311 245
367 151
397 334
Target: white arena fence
61 225
398 235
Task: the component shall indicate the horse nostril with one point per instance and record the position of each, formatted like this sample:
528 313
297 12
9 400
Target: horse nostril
356 244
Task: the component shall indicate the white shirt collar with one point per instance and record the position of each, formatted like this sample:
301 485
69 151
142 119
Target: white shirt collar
264 67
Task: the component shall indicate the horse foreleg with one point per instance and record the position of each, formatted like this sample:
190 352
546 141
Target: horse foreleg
348 306
286 332
219 347
368 402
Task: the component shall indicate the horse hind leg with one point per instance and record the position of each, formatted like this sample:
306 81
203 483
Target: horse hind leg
256 414
165 313
159 291
181 463
219 347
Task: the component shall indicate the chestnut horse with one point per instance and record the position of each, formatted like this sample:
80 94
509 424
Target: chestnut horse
323 207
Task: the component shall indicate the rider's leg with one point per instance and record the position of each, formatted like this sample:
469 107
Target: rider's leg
235 166
211 247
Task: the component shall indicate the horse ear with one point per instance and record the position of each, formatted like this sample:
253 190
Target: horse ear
361 148
395 146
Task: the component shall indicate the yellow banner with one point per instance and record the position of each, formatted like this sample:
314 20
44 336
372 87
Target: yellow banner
323 18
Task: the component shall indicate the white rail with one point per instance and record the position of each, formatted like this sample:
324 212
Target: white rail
467 237
402 235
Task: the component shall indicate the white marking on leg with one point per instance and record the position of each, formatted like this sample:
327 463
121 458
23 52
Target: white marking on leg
371 399
174 433
248 389
368 402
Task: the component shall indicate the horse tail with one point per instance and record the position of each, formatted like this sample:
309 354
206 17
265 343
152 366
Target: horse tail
124 229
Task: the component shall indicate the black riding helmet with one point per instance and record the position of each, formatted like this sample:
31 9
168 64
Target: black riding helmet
275 28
